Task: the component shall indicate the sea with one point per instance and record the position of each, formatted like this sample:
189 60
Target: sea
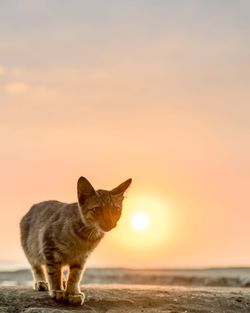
13 275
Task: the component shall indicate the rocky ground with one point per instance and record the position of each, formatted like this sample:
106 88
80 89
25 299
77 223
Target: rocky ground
133 299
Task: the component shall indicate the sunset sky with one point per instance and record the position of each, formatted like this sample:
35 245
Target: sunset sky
154 90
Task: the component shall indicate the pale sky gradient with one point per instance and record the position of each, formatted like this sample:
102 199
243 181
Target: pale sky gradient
154 90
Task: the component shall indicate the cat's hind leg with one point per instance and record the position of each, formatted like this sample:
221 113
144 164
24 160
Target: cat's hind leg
40 283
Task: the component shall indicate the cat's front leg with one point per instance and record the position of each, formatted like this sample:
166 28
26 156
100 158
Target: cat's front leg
54 272
73 291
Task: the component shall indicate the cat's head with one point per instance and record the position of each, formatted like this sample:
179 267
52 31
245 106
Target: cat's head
100 208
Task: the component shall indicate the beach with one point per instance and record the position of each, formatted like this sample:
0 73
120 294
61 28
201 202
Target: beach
131 290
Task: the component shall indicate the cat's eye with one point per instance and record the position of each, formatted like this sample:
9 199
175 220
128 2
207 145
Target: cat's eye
96 209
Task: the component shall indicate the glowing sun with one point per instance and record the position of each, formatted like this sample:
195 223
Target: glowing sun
140 221
146 224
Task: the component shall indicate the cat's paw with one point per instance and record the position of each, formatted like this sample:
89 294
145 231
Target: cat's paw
41 286
76 298
58 295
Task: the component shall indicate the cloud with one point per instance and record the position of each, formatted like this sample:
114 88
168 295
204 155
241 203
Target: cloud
2 70
16 88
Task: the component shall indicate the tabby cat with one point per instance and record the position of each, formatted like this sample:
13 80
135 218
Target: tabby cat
56 234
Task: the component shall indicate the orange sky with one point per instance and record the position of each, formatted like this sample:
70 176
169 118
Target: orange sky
157 91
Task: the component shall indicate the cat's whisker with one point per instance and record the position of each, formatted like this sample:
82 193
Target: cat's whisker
92 234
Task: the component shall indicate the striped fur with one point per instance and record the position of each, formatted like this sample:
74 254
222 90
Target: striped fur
56 234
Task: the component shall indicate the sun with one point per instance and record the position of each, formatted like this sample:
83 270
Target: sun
146 225
140 221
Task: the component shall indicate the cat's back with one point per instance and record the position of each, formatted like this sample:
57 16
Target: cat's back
41 211
39 215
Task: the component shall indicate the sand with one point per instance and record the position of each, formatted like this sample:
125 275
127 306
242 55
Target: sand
133 299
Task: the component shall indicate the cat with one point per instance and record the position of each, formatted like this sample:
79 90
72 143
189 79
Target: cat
56 234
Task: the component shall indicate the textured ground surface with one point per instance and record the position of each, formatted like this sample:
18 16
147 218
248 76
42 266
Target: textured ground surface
131 298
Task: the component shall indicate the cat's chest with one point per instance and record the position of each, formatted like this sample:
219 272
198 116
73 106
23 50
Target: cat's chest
72 244
78 251
82 247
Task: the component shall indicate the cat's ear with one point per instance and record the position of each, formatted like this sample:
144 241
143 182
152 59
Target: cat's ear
119 190
84 189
